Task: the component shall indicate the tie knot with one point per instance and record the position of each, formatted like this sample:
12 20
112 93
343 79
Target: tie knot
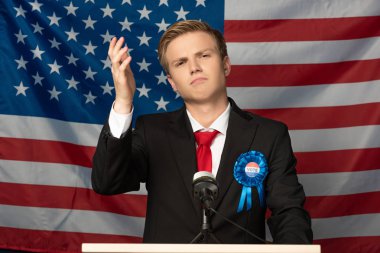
205 138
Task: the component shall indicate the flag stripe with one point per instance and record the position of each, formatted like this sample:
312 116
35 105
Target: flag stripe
350 244
304 74
71 198
301 29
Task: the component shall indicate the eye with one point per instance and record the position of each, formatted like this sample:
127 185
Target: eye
179 63
205 55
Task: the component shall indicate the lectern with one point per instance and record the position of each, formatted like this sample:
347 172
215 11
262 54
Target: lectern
197 248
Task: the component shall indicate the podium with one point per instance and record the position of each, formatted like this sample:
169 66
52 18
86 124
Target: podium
197 248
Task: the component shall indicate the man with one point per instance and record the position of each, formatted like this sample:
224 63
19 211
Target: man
162 150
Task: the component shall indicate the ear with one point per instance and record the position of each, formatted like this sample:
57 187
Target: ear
226 65
171 81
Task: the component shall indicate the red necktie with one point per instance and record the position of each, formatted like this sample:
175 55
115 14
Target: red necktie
204 157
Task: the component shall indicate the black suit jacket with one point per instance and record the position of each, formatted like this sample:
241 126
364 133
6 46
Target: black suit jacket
161 151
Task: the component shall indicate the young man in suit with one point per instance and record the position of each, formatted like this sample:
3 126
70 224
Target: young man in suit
251 156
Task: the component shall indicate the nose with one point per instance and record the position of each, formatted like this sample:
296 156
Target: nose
194 66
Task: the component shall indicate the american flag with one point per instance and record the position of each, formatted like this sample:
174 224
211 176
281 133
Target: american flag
314 65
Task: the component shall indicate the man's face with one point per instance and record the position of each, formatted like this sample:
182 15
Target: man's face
197 71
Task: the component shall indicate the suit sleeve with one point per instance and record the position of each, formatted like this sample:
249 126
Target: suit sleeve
119 165
289 223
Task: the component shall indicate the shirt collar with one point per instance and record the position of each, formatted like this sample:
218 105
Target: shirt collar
220 124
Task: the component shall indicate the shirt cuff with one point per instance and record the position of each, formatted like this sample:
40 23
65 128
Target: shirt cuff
119 122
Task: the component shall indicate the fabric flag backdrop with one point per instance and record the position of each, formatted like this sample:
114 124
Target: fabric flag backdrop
311 64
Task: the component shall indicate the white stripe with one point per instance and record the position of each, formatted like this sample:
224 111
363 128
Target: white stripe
296 9
303 52
342 183
306 96
49 129
52 174
336 139
346 226
69 220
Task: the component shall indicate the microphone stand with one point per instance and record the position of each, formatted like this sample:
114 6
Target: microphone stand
206 230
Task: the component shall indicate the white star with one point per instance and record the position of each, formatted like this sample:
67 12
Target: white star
163 2
72 83
126 1
107 37
37 28
36 6
107 11
200 2
107 89
144 65
21 63
177 95
90 48
37 53
54 93
38 79
92 1
143 91
89 98
163 26
161 104
54 67
144 39
126 24
72 35
20 37
181 14
21 89
71 9
89 73
54 43
54 19
20 11
72 59
144 13
161 78
89 22
107 63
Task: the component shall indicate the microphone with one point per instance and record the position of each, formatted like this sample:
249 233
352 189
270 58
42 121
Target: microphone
205 188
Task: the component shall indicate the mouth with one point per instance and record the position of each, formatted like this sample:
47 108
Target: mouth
198 80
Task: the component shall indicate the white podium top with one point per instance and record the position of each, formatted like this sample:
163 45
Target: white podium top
198 248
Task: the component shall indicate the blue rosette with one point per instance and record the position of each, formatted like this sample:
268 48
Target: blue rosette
250 170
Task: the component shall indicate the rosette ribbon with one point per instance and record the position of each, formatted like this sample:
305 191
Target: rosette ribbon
248 178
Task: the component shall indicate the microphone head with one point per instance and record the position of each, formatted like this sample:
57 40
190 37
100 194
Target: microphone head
205 188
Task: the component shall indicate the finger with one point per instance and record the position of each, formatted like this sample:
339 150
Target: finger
112 46
118 46
119 56
125 64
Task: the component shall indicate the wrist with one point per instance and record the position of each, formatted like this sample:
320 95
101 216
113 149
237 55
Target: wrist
121 106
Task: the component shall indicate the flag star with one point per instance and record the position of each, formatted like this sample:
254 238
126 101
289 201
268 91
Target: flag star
71 9
89 97
161 78
143 91
37 28
144 65
72 83
177 95
21 89
107 63
92 1
72 59
37 53
72 35
54 19
36 6
20 37
54 93
54 43
107 37
89 73
200 2
126 1
161 104
144 13
181 14
54 67
38 79
90 48
21 63
163 26
89 22
107 89
107 11
20 11
144 39
163 2
126 24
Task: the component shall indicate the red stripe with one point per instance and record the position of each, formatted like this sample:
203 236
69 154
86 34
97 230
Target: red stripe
55 241
301 29
338 161
71 198
325 117
363 244
303 74
45 151
335 206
